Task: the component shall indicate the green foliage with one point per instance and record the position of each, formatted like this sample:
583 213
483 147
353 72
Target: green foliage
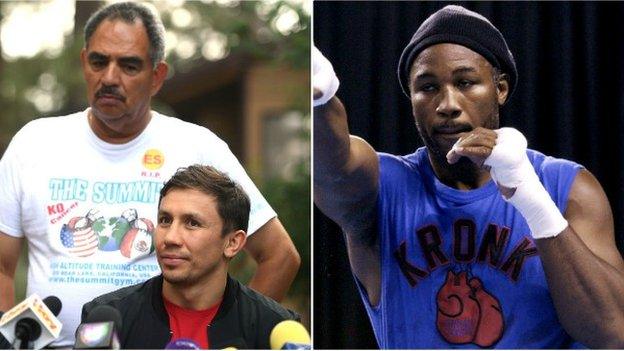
250 28
23 75
291 200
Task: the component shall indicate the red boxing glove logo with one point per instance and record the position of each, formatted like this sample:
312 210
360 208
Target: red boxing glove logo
491 322
458 314
467 313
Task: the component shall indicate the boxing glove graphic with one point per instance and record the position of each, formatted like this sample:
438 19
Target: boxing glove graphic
458 313
491 321
78 237
138 240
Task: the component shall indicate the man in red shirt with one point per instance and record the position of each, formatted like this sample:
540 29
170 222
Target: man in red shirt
202 220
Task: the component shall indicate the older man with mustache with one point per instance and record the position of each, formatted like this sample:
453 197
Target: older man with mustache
83 189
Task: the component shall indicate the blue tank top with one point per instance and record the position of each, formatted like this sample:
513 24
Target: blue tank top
459 269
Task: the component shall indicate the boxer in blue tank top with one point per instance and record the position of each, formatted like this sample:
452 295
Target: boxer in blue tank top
473 241
460 267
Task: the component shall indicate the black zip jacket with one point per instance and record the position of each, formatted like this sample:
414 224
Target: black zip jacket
244 320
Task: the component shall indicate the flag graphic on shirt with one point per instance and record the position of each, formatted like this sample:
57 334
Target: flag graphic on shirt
79 237
129 234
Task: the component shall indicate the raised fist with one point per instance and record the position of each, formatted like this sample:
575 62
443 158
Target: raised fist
324 79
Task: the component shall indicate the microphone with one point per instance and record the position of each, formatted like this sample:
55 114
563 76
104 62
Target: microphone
182 344
99 331
32 322
290 335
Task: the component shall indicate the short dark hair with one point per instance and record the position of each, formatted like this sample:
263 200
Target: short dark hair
232 201
129 12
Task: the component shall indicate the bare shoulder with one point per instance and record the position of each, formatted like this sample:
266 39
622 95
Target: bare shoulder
587 201
590 215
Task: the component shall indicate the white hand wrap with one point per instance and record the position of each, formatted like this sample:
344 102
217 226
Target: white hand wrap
511 168
323 77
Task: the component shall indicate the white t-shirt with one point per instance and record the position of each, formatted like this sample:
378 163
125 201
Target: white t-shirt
88 208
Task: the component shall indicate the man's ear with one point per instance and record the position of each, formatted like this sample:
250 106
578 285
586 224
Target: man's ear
160 73
234 242
83 58
502 89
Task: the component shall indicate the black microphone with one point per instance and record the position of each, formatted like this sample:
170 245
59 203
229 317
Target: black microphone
99 330
54 304
28 329
32 323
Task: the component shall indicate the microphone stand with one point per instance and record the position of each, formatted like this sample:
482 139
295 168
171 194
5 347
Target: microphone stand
23 344
26 330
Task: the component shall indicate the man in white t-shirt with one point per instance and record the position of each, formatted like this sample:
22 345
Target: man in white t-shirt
83 189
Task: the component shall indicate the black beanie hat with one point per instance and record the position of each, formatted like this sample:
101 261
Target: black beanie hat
457 25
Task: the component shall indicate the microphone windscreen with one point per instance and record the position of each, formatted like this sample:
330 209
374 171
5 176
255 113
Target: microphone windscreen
99 335
288 332
104 313
182 344
54 304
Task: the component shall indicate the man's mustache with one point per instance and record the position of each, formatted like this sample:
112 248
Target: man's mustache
109 91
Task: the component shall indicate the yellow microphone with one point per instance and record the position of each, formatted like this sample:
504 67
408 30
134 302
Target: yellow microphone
290 335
